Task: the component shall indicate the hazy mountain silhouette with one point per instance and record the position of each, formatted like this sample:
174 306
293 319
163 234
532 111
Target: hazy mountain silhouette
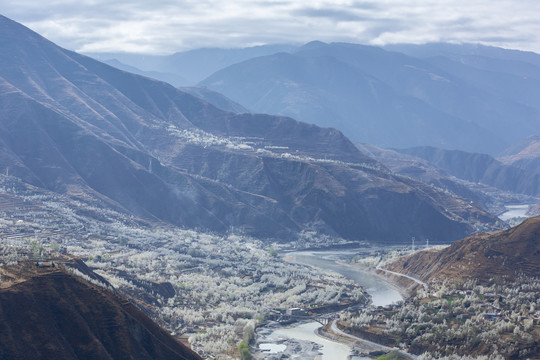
218 100
480 168
193 65
388 98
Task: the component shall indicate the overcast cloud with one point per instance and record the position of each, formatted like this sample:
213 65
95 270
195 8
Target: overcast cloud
167 26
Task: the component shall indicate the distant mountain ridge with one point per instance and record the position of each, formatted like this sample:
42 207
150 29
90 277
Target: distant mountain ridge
216 99
480 168
77 126
173 79
386 98
429 173
443 95
191 66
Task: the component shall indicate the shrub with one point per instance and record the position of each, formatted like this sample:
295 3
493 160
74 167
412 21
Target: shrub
243 350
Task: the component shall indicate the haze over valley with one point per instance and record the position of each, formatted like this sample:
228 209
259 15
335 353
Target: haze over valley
224 202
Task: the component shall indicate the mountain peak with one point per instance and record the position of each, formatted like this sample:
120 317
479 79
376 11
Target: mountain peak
312 45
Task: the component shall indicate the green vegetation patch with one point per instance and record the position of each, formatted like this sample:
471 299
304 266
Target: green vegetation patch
394 355
243 349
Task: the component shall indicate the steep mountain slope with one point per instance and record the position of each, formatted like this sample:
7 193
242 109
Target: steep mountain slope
422 170
50 314
510 74
524 155
218 100
480 168
503 254
379 97
500 82
173 79
328 92
74 125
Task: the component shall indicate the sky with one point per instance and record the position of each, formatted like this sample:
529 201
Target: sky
168 26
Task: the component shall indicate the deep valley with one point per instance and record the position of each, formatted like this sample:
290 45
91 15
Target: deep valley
292 201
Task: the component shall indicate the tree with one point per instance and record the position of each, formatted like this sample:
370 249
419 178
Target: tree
273 252
248 333
243 350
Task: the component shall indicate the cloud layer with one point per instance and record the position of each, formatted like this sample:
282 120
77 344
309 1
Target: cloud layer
168 26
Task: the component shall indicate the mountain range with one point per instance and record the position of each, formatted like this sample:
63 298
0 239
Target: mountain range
489 199
189 67
481 168
391 99
77 126
443 95
503 76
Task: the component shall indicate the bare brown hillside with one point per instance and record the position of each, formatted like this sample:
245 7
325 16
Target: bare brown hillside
46 313
503 254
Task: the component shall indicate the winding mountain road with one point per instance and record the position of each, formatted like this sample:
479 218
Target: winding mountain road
366 344
406 276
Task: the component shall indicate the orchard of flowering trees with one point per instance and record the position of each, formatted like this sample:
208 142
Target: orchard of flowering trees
496 321
210 288
231 283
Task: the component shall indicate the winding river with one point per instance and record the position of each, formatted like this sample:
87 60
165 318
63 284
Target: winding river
381 292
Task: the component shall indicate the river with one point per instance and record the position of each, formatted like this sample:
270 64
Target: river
381 292
514 211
